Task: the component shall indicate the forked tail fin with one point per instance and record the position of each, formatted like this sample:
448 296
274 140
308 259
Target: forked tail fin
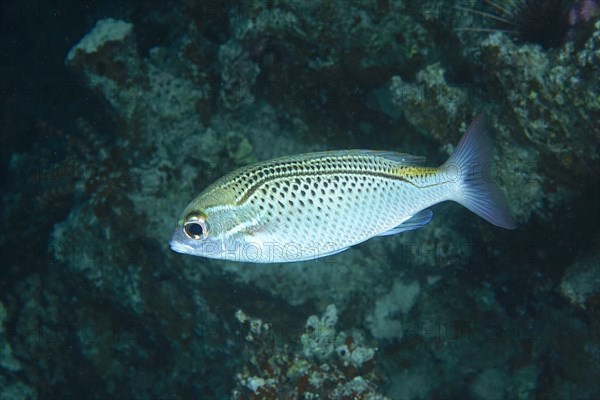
470 163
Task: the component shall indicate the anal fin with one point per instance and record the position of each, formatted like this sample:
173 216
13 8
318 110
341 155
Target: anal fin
417 221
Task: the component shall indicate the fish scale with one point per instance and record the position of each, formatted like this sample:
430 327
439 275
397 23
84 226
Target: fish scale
307 206
340 202
334 193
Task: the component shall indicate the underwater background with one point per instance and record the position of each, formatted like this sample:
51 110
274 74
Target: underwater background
116 114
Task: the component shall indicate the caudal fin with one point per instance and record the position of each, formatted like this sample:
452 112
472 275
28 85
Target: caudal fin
476 190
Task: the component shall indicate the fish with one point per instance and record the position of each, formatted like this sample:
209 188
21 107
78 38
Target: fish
307 206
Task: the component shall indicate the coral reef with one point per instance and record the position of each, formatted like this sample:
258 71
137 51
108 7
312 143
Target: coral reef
12 387
581 281
553 112
185 92
400 300
489 385
329 365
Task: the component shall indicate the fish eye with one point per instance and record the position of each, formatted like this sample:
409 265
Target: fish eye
195 227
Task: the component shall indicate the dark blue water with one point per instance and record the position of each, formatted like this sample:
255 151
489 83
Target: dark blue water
116 114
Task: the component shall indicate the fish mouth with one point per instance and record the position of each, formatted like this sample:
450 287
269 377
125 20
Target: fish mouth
179 247
210 248
183 245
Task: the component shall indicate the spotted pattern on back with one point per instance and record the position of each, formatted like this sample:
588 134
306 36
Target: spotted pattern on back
334 197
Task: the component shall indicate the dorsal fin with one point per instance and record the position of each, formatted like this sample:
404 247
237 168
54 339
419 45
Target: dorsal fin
406 159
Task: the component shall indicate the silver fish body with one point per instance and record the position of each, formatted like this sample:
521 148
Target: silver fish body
307 206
